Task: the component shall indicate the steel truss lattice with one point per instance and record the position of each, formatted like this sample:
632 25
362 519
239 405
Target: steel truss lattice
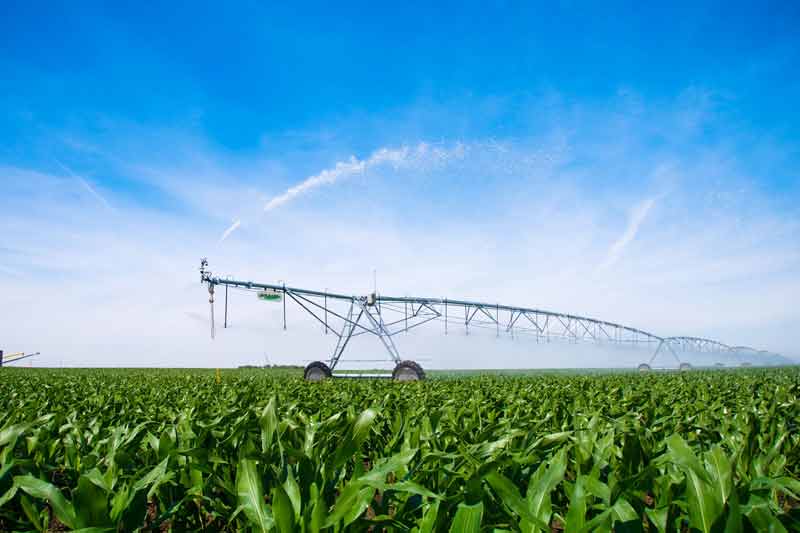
387 316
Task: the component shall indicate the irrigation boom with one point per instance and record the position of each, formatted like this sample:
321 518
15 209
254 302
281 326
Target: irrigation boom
387 316
14 357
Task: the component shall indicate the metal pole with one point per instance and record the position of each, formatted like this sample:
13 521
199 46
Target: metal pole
326 311
211 303
1 358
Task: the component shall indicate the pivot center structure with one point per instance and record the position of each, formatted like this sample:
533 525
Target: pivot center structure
348 316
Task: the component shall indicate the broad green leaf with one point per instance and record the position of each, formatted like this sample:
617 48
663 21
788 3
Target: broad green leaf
91 504
384 467
43 490
624 511
158 472
250 495
9 495
269 425
510 496
719 468
428 522
658 517
293 492
542 483
597 488
467 518
31 512
282 510
350 504
733 522
319 511
356 436
576 515
12 433
761 516
705 505
412 488
682 455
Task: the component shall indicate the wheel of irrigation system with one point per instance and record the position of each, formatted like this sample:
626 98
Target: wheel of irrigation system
644 367
408 371
317 371
685 367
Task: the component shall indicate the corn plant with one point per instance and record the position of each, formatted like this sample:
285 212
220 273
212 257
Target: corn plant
176 450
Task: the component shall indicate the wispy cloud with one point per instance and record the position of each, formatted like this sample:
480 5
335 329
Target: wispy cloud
637 215
85 184
521 220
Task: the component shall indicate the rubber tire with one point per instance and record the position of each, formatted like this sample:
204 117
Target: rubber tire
685 367
644 367
317 371
400 372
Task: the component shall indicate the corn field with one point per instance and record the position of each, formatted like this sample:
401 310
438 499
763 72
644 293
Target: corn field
250 450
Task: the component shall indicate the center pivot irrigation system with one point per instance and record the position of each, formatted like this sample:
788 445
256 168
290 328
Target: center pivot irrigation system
14 357
348 316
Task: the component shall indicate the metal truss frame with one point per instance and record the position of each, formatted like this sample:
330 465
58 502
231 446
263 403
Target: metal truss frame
387 316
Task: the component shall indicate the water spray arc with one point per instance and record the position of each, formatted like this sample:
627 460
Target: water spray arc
385 317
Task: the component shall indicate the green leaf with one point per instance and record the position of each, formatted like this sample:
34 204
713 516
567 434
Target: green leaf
467 519
9 495
293 492
152 476
355 438
269 425
510 496
31 512
12 433
98 479
153 479
412 488
282 510
37 488
350 504
624 511
733 522
705 505
250 496
761 516
542 483
383 467
428 522
597 488
682 455
658 517
319 511
91 504
576 515
719 468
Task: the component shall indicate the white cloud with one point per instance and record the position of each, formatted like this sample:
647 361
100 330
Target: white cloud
85 184
486 220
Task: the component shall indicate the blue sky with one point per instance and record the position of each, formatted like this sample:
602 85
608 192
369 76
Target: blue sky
637 163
